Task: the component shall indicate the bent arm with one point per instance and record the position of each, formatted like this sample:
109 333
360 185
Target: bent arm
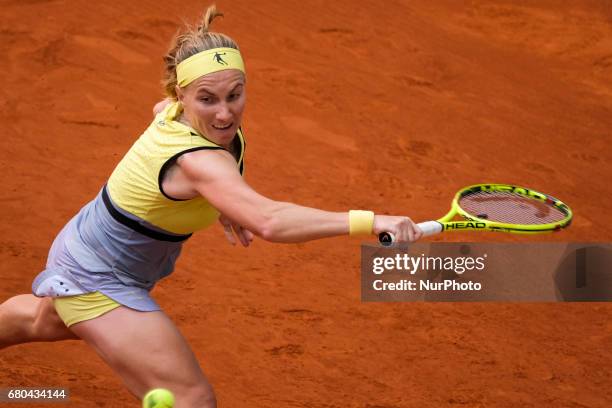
159 106
214 175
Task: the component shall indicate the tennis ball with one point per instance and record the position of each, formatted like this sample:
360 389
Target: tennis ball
158 398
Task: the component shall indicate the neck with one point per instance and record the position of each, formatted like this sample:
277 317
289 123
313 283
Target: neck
183 119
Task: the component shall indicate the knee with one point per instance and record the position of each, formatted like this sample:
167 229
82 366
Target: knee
47 325
16 320
18 314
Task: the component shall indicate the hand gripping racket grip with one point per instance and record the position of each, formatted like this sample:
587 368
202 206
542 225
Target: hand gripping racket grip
428 228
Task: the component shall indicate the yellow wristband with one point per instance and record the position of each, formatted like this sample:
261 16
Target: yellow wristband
360 222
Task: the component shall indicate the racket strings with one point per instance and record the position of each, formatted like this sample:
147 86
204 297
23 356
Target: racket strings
510 208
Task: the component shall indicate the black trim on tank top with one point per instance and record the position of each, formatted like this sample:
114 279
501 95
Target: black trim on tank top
242 153
135 225
240 143
171 161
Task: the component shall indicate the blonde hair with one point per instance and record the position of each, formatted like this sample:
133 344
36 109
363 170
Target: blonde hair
189 42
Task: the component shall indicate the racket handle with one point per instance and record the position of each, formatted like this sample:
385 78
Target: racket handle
428 228
386 238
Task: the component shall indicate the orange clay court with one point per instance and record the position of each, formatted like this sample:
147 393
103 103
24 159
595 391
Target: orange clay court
388 106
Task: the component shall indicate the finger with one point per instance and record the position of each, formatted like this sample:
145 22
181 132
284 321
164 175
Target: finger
244 240
410 231
414 232
411 234
418 232
240 234
227 230
407 232
401 235
402 232
248 234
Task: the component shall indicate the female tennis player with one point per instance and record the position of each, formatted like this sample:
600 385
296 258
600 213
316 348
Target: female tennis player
182 175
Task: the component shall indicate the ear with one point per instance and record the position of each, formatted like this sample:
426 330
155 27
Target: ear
179 93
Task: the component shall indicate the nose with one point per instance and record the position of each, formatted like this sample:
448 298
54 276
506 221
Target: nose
223 113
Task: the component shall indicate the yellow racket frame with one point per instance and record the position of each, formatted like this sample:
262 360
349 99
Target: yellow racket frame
472 222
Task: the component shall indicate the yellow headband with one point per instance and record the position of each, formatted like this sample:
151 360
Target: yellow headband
206 62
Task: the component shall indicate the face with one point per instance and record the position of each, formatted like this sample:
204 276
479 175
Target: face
213 104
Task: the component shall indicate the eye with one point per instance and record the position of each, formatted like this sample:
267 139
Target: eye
234 96
206 99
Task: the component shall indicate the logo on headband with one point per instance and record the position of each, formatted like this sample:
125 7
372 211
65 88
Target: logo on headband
218 59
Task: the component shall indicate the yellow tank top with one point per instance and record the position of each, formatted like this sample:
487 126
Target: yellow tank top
135 184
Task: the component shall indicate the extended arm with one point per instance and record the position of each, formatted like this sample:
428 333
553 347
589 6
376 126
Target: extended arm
214 175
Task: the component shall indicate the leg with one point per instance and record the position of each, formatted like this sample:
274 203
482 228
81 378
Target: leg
147 351
27 318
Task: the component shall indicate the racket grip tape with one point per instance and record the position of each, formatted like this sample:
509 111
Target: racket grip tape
428 228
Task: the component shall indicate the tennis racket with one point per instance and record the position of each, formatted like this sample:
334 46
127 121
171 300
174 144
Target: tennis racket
498 207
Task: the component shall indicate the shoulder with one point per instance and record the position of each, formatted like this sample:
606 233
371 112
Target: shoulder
208 164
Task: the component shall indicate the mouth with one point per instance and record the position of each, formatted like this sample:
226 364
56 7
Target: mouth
224 127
